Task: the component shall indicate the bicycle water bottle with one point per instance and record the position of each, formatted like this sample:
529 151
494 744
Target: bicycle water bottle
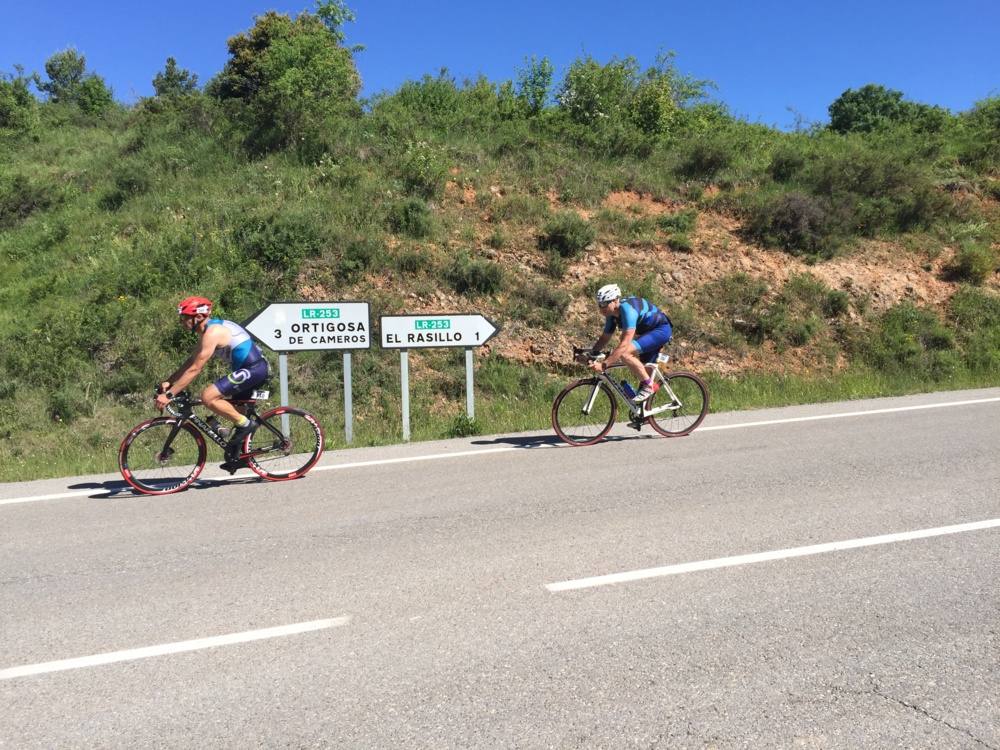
627 387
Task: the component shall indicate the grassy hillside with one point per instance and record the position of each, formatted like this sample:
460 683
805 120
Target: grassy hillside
796 266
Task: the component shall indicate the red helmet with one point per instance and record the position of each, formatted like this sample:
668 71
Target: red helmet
194 306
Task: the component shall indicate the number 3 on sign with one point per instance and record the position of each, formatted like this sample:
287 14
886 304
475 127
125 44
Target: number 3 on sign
277 333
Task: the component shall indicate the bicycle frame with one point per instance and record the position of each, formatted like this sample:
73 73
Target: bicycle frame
638 411
183 410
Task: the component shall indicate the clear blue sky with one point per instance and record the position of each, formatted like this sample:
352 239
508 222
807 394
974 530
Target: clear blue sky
766 56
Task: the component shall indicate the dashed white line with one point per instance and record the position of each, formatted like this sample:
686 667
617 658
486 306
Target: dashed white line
170 648
781 554
507 449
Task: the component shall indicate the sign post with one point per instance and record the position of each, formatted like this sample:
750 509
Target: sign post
405 332
287 327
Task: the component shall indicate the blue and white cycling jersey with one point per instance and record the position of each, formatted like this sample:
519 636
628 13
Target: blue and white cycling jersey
638 313
242 351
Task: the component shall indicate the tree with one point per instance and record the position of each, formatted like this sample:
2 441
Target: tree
65 71
68 84
873 107
18 108
174 81
533 84
286 78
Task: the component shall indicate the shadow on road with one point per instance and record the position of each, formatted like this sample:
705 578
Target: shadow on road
121 488
536 441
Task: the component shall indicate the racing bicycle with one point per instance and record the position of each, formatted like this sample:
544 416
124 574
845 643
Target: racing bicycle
585 411
166 454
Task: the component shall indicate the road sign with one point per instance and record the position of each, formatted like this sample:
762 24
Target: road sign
307 326
426 331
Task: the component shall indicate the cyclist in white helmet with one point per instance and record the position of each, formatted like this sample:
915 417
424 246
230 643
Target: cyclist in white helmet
645 329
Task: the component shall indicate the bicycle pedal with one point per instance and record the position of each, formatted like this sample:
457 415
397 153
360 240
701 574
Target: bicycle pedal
635 425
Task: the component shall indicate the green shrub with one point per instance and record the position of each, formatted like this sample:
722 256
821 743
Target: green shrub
786 164
279 242
521 208
738 299
682 221
20 198
680 243
359 256
566 234
911 340
975 314
414 261
463 426
974 263
539 304
411 217
797 222
703 159
470 275
129 180
423 170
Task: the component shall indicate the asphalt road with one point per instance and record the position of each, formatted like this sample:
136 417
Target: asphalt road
450 594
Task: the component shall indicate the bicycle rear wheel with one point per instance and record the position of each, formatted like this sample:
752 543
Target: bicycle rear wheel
161 456
287 444
584 412
688 396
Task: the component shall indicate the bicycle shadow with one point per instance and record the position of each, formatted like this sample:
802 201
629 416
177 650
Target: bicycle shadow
521 441
120 488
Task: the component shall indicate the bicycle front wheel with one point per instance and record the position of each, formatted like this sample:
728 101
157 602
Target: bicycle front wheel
686 395
287 444
584 412
161 456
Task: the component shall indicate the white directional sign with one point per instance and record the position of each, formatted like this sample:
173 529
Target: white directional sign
305 326
424 331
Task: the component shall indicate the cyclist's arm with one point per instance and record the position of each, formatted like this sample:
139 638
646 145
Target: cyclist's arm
625 345
194 364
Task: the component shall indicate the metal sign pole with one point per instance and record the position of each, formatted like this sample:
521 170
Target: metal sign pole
283 380
348 400
470 400
404 373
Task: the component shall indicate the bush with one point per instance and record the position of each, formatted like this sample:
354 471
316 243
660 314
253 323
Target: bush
796 222
703 160
279 242
413 261
474 275
423 170
976 317
540 304
411 217
19 198
683 221
974 263
566 234
911 340
129 180
359 256
739 300
680 243
786 164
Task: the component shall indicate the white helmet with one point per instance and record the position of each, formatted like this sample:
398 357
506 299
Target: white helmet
608 293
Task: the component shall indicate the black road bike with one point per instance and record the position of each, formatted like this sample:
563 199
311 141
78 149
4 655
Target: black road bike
166 454
585 411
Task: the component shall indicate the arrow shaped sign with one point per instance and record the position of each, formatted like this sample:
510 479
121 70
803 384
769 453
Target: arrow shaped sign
427 331
307 326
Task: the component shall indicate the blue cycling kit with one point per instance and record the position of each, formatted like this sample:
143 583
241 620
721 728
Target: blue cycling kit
651 324
250 369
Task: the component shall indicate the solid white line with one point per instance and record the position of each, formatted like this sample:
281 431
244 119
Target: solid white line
728 562
507 449
170 648
841 415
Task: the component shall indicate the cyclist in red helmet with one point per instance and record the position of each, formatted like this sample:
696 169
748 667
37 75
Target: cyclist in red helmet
226 340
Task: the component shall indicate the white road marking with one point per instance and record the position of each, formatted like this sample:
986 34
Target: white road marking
781 554
507 449
170 648
841 415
